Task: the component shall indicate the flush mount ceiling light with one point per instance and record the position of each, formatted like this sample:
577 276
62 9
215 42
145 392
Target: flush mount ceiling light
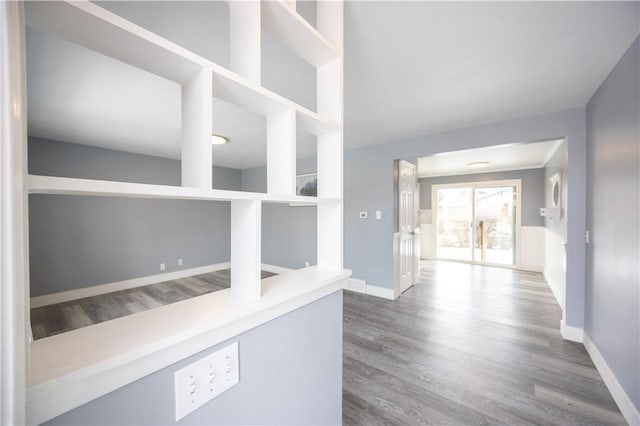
218 140
478 164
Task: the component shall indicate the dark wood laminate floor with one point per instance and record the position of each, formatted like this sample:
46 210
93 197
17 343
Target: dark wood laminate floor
54 319
467 345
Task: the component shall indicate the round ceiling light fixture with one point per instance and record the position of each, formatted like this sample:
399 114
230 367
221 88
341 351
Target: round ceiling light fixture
478 164
218 140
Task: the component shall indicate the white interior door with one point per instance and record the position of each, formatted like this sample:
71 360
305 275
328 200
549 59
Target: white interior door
407 256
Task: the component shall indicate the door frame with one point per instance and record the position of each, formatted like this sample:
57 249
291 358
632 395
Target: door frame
481 184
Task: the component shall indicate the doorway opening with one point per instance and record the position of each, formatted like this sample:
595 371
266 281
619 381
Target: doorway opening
477 222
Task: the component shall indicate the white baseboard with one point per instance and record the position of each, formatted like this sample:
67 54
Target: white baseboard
275 269
626 406
356 285
361 286
575 334
383 292
65 296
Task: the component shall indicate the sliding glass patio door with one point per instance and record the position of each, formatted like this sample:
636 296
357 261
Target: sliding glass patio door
477 222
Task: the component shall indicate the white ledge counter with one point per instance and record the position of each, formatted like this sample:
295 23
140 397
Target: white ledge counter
73 368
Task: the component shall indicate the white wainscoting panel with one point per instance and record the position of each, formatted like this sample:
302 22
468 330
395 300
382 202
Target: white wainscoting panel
555 264
532 246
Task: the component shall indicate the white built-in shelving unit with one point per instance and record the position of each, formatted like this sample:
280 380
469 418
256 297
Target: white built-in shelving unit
55 371
100 30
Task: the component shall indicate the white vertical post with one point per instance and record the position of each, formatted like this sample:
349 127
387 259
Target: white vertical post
244 39
196 131
246 240
281 152
14 291
330 227
329 20
330 146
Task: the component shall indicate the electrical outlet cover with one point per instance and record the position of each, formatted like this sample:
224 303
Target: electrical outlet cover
200 382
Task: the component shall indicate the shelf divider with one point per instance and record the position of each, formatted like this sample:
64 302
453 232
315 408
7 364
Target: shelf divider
196 161
246 244
281 153
244 39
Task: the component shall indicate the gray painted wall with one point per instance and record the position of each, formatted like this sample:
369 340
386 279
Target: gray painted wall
77 242
532 190
289 234
613 256
290 373
368 186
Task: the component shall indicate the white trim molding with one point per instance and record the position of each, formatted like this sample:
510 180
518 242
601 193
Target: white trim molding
383 292
355 285
626 406
361 286
274 269
65 296
575 334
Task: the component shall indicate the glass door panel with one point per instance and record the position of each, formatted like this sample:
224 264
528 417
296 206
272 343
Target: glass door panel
494 240
454 217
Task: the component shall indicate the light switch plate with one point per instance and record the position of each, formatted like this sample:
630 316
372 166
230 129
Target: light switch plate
378 214
200 382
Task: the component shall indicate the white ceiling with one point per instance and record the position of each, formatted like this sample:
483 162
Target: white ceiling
517 156
415 68
411 68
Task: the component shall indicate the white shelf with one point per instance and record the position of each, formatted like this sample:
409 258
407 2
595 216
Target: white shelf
103 188
239 91
100 30
117 352
292 30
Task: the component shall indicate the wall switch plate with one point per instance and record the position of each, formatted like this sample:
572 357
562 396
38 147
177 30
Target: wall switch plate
363 215
162 266
378 214
200 382
179 262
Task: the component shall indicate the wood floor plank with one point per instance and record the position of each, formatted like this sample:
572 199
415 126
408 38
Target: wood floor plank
467 345
59 318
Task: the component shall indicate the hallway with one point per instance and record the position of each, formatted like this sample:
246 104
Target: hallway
467 345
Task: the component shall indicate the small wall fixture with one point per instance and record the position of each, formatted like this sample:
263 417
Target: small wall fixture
478 164
218 140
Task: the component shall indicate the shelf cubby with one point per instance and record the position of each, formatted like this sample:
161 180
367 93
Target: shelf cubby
282 20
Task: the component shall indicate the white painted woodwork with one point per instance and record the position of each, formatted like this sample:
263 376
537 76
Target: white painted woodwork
71 186
293 31
531 248
330 230
330 21
407 211
259 100
91 26
14 291
197 166
330 91
98 29
281 153
115 353
246 237
244 39
121 351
